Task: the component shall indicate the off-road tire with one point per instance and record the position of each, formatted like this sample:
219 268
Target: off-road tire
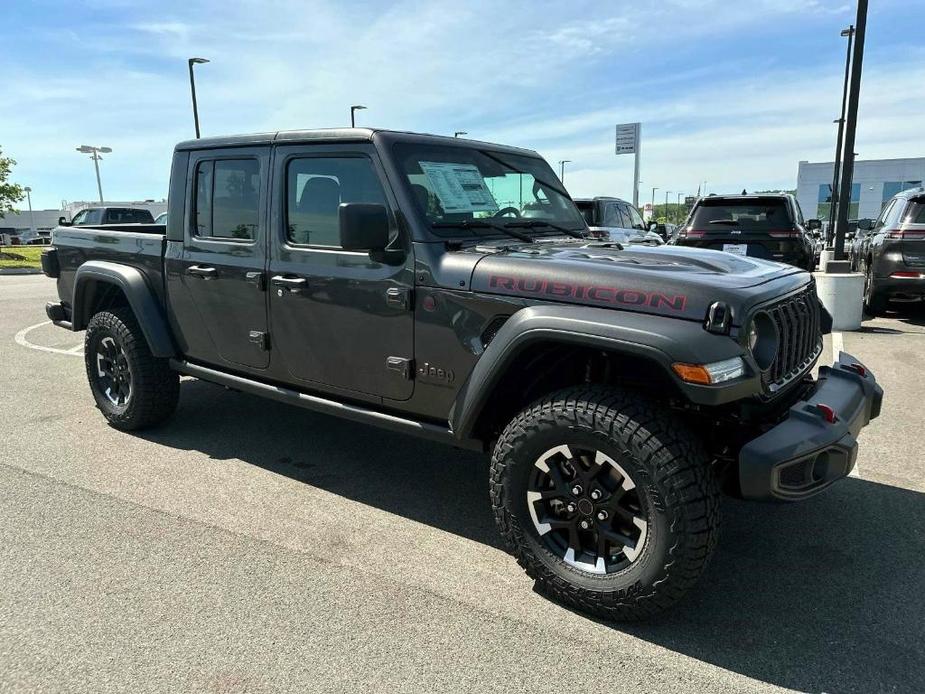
666 462
155 387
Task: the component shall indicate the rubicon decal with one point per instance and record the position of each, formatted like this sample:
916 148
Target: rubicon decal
591 292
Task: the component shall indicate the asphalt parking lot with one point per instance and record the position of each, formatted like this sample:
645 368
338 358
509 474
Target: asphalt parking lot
253 547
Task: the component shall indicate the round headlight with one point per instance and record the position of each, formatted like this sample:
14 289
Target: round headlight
762 340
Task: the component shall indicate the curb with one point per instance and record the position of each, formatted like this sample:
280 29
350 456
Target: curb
20 271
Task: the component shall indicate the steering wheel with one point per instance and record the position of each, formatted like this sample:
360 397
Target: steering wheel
507 211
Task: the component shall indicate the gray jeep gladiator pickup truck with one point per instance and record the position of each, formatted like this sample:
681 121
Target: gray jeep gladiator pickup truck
446 288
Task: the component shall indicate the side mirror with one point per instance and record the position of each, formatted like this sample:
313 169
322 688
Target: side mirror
866 224
363 226
62 222
653 225
813 224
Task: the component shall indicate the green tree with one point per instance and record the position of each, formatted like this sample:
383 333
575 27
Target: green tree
10 193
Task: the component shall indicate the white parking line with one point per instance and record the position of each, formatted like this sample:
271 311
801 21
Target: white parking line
838 345
21 340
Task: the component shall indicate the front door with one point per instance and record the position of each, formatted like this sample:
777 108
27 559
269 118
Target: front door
339 319
216 279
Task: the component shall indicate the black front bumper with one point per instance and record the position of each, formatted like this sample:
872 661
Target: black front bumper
817 443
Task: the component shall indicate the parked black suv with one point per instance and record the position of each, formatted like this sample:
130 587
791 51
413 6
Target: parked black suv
757 226
447 289
892 254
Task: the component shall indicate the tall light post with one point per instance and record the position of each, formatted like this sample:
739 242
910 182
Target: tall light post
833 195
94 153
353 110
460 132
192 88
667 193
562 163
679 205
653 201
31 216
846 175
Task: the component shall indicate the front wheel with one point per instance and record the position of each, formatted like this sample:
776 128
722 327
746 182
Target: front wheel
132 388
608 503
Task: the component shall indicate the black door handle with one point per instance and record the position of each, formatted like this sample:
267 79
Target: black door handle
293 284
205 273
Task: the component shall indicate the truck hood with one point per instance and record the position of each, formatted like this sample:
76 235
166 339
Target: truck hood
668 280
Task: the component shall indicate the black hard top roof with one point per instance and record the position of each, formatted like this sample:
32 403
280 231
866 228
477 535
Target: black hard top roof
599 197
340 135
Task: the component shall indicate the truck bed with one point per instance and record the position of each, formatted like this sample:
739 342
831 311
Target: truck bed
139 245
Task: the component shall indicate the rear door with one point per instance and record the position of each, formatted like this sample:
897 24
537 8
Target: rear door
913 231
340 320
216 282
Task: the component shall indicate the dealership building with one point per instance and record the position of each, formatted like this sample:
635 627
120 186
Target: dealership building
875 181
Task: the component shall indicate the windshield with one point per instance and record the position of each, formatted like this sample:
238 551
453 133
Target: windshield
455 185
758 214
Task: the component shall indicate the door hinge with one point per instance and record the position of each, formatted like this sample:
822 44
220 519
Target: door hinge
262 340
399 297
400 364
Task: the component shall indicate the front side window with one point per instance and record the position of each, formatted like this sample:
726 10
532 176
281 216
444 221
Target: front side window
634 217
79 217
227 196
459 186
613 216
315 188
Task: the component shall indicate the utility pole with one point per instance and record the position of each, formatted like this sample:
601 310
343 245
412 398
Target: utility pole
851 121
833 195
192 87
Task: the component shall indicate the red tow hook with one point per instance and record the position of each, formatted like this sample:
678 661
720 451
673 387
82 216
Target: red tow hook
858 368
828 414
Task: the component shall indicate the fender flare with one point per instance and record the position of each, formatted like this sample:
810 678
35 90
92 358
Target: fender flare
141 298
659 339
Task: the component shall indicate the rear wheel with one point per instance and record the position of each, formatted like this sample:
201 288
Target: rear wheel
132 388
607 502
874 301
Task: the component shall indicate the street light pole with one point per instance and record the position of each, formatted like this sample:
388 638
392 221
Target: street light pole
667 193
562 163
833 196
679 206
192 88
94 153
653 201
31 215
353 110
851 121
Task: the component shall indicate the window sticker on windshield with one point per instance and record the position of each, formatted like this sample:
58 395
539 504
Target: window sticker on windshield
460 187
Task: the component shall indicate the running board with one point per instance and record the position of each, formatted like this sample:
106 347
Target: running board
325 406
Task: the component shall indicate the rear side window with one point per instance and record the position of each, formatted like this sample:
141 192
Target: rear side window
587 211
915 212
128 216
227 195
315 188
752 214
613 216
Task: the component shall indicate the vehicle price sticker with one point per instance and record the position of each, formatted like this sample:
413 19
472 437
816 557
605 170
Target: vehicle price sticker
736 248
460 187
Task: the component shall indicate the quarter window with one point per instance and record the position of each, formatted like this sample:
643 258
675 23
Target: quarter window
315 188
227 193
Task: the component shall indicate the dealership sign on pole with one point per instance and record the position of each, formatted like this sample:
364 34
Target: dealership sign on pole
628 136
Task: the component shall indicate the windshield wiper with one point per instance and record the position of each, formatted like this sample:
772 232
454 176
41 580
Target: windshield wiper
723 221
483 224
533 223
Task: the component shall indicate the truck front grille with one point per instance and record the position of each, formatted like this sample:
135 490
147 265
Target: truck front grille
799 337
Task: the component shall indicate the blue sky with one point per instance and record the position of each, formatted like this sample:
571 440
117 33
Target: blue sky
735 93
